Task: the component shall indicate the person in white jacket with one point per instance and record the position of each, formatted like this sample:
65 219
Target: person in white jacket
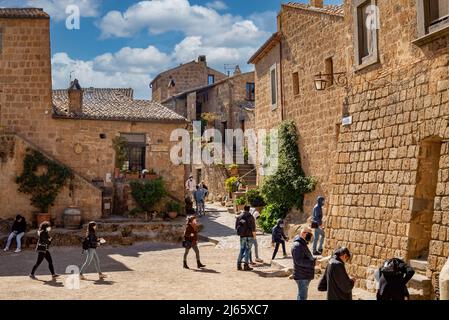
190 186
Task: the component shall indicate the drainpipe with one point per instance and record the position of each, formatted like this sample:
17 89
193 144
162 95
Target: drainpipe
281 91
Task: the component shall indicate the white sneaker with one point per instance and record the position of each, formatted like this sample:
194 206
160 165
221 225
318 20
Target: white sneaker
17 251
6 250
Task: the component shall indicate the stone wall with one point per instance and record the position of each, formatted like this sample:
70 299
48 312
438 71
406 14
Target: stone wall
85 195
188 76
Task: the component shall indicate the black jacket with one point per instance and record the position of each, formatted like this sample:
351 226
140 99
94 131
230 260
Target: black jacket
44 238
93 240
395 287
277 234
303 261
19 227
248 217
336 281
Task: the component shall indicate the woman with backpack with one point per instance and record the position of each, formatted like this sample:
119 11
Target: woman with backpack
393 277
42 247
191 241
90 243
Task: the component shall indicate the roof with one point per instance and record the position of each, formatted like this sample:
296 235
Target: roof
203 88
23 13
336 10
113 104
266 47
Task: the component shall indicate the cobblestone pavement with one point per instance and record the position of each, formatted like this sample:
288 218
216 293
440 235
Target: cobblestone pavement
154 271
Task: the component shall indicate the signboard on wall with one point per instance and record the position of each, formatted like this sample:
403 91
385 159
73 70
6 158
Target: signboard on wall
346 121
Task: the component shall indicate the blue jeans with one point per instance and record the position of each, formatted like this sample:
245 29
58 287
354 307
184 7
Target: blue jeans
91 255
256 249
303 288
200 209
245 249
18 237
319 233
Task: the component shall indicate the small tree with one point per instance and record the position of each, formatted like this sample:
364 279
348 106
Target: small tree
148 193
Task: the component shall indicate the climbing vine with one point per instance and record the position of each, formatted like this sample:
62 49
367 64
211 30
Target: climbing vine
43 179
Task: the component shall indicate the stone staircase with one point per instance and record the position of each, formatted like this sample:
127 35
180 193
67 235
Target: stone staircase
420 286
248 173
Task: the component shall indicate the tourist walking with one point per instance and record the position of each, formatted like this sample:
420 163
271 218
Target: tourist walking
393 277
191 241
317 224
17 231
90 244
245 226
278 238
335 280
303 262
43 244
190 186
255 244
200 197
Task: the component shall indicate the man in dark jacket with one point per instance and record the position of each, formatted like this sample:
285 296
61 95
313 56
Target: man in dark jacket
335 280
245 225
278 238
393 278
317 224
17 231
303 262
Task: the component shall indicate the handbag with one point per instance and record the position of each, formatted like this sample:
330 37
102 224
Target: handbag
187 244
41 247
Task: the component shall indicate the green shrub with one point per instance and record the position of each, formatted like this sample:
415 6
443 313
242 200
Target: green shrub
270 215
288 185
240 201
135 212
231 184
148 193
255 199
173 206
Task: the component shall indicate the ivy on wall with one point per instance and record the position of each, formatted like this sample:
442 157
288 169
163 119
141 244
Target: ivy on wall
43 179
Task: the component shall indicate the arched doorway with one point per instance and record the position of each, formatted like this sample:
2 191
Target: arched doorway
424 198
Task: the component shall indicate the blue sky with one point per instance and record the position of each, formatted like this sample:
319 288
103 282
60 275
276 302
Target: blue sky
127 43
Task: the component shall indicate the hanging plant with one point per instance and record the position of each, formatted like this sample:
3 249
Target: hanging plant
121 155
43 179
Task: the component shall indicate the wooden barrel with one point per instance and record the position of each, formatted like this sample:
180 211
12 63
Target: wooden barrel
72 218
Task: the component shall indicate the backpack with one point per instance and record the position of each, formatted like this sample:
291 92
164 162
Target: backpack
392 268
242 227
86 243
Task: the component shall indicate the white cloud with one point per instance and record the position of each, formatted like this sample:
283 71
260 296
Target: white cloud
56 8
217 5
89 76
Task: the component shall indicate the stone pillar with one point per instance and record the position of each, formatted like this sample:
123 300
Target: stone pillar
444 282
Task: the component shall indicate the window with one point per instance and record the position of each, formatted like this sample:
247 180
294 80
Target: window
295 77
250 91
135 147
273 82
210 79
329 69
433 19
366 19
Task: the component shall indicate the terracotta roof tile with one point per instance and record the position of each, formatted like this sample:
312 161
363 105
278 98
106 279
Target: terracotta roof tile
19 13
328 9
113 104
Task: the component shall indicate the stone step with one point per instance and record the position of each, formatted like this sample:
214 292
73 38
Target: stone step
422 284
418 265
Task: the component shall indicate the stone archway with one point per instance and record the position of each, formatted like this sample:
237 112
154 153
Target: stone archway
424 198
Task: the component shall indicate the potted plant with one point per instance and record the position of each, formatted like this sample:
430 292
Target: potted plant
132 175
147 193
231 185
245 154
43 179
121 155
255 199
234 169
209 117
173 209
240 204
127 239
149 174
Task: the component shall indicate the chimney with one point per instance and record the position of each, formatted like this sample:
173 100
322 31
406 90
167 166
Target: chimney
171 91
316 3
75 97
237 70
202 59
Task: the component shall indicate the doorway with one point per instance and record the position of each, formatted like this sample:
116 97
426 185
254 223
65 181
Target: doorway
423 201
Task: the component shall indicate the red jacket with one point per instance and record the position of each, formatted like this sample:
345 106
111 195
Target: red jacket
190 229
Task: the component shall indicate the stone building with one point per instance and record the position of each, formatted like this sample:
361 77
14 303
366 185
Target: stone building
387 183
187 76
74 127
231 100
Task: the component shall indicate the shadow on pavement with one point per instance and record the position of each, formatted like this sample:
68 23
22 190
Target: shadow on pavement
206 271
213 228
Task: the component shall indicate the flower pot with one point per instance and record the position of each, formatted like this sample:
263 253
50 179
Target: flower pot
41 217
72 218
239 208
172 214
132 176
117 173
151 176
